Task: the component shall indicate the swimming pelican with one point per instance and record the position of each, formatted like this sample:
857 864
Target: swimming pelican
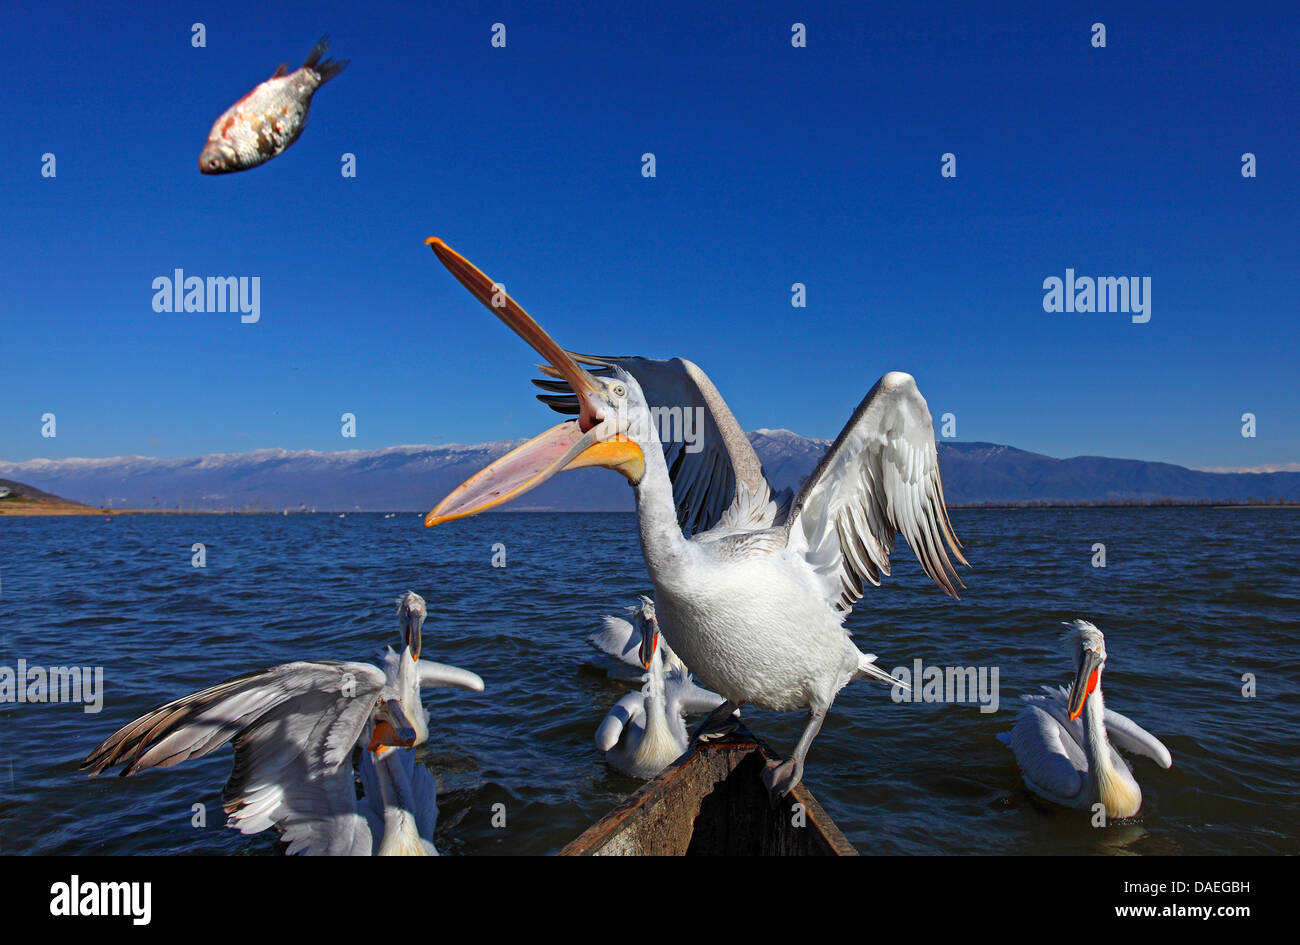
621 639
644 731
1072 762
294 727
755 599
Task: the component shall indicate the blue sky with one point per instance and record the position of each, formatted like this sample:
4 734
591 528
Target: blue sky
775 165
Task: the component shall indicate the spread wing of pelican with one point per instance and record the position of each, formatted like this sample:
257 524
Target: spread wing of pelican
294 728
1065 741
645 732
751 596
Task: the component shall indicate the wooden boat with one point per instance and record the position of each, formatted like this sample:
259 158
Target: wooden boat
711 802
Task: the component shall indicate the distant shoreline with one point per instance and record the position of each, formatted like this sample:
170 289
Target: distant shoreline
61 510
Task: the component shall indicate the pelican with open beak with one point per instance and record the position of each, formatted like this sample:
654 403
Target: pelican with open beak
751 593
596 438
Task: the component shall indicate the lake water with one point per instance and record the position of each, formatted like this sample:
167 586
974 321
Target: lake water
1190 601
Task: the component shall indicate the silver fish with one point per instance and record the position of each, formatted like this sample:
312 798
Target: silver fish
268 119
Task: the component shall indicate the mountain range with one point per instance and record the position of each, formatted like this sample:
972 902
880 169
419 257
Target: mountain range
414 478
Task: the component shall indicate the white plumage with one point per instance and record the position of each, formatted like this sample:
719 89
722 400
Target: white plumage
622 638
294 728
1073 761
751 596
645 731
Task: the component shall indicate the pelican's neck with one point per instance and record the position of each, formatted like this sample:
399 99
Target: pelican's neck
654 687
1116 789
661 536
657 741
401 835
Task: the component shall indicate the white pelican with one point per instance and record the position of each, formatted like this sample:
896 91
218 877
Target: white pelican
294 728
622 639
754 601
1072 762
644 732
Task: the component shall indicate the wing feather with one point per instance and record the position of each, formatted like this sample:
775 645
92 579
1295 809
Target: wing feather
687 697
626 711
1051 765
879 478
1122 731
1127 735
619 639
442 675
293 728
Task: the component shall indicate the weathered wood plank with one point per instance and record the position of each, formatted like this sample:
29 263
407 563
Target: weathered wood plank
711 802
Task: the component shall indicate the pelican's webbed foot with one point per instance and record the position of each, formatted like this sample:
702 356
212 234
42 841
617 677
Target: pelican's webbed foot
780 777
721 722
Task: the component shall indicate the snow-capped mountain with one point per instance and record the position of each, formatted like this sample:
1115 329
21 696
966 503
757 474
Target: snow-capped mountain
414 478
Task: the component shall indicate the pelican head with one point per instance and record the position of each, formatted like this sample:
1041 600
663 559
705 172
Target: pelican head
410 620
1088 647
599 437
393 729
647 624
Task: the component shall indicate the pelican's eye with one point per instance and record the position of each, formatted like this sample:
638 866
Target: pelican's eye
618 390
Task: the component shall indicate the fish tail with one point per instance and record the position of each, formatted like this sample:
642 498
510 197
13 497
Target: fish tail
328 68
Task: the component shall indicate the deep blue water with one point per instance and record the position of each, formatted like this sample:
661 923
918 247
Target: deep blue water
1190 601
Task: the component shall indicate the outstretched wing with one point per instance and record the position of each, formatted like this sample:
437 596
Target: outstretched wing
718 473
879 478
619 639
293 728
441 675
1126 734
626 711
687 697
1122 731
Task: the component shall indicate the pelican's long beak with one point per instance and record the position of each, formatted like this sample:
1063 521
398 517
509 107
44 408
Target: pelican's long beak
414 635
494 296
649 643
1085 682
526 467
570 445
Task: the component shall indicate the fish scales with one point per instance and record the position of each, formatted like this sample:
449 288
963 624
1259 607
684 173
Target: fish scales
268 119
